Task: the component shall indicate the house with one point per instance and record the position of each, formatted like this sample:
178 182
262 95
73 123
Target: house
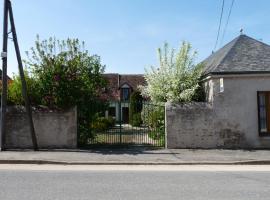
236 113
118 92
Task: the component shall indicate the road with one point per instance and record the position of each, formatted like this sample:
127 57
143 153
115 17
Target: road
33 182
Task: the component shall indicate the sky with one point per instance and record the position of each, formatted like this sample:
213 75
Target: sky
127 33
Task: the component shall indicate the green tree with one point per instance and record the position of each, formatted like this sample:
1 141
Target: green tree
15 90
64 75
65 72
176 79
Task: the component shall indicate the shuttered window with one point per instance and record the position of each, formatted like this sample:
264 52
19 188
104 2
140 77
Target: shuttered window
264 113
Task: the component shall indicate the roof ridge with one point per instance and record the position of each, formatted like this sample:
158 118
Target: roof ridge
123 74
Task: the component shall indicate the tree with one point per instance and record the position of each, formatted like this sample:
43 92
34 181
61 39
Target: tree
62 74
176 79
15 90
65 72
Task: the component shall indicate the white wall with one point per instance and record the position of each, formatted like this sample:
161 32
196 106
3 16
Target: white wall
228 120
238 103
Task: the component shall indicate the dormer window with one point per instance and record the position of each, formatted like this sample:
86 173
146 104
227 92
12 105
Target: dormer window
125 92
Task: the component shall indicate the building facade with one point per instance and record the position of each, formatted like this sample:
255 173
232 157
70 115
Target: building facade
118 92
236 113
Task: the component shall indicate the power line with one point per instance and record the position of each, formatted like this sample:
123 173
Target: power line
219 26
225 29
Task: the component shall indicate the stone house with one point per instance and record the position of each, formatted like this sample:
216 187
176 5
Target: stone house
119 89
236 113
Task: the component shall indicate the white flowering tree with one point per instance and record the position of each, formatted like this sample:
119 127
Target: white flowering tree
176 79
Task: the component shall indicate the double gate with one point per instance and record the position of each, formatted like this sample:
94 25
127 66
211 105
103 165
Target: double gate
129 124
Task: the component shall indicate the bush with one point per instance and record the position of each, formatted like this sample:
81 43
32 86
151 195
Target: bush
111 121
102 124
136 119
15 91
136 104
154 117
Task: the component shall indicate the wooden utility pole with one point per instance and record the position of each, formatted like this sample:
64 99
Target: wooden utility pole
9 13
4 76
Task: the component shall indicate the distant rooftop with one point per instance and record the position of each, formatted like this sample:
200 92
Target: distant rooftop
116 81
1 75
243 55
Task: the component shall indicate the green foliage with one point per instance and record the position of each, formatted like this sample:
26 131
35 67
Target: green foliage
136 104
199 93
102 124
136 119
61 75
66 74
8 98
15 90
176 79
154 117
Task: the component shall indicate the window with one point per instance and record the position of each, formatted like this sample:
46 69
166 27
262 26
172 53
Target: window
125 93
264 113
112 112
221 85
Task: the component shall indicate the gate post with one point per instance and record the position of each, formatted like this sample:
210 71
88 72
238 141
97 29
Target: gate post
166 128
120 121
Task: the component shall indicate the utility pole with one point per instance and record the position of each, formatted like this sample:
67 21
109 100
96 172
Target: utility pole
4 76
9 13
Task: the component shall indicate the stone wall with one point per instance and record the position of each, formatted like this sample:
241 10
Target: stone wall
228 120
54 130
197 125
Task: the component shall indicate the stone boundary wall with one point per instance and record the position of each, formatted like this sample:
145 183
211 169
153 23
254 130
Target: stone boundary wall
54 130
198 125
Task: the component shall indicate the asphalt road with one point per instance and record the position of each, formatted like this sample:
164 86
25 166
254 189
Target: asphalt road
137 182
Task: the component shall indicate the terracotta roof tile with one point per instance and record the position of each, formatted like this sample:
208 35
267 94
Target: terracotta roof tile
115 81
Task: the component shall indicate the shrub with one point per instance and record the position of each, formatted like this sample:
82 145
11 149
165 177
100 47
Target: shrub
136 104
154 117
111 121
136 119
15 90
102 124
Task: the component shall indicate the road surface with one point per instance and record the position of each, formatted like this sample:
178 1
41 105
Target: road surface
40 182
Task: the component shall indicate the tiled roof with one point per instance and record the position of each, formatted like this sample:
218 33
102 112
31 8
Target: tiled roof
115 81
243 55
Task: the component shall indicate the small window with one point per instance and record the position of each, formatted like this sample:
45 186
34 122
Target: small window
221 85
125 94
264 113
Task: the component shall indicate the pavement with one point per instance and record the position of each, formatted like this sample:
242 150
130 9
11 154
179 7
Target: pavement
137 156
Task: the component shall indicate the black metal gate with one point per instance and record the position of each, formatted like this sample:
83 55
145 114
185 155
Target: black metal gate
129 124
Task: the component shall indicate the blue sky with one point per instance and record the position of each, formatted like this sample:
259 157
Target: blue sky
126 33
